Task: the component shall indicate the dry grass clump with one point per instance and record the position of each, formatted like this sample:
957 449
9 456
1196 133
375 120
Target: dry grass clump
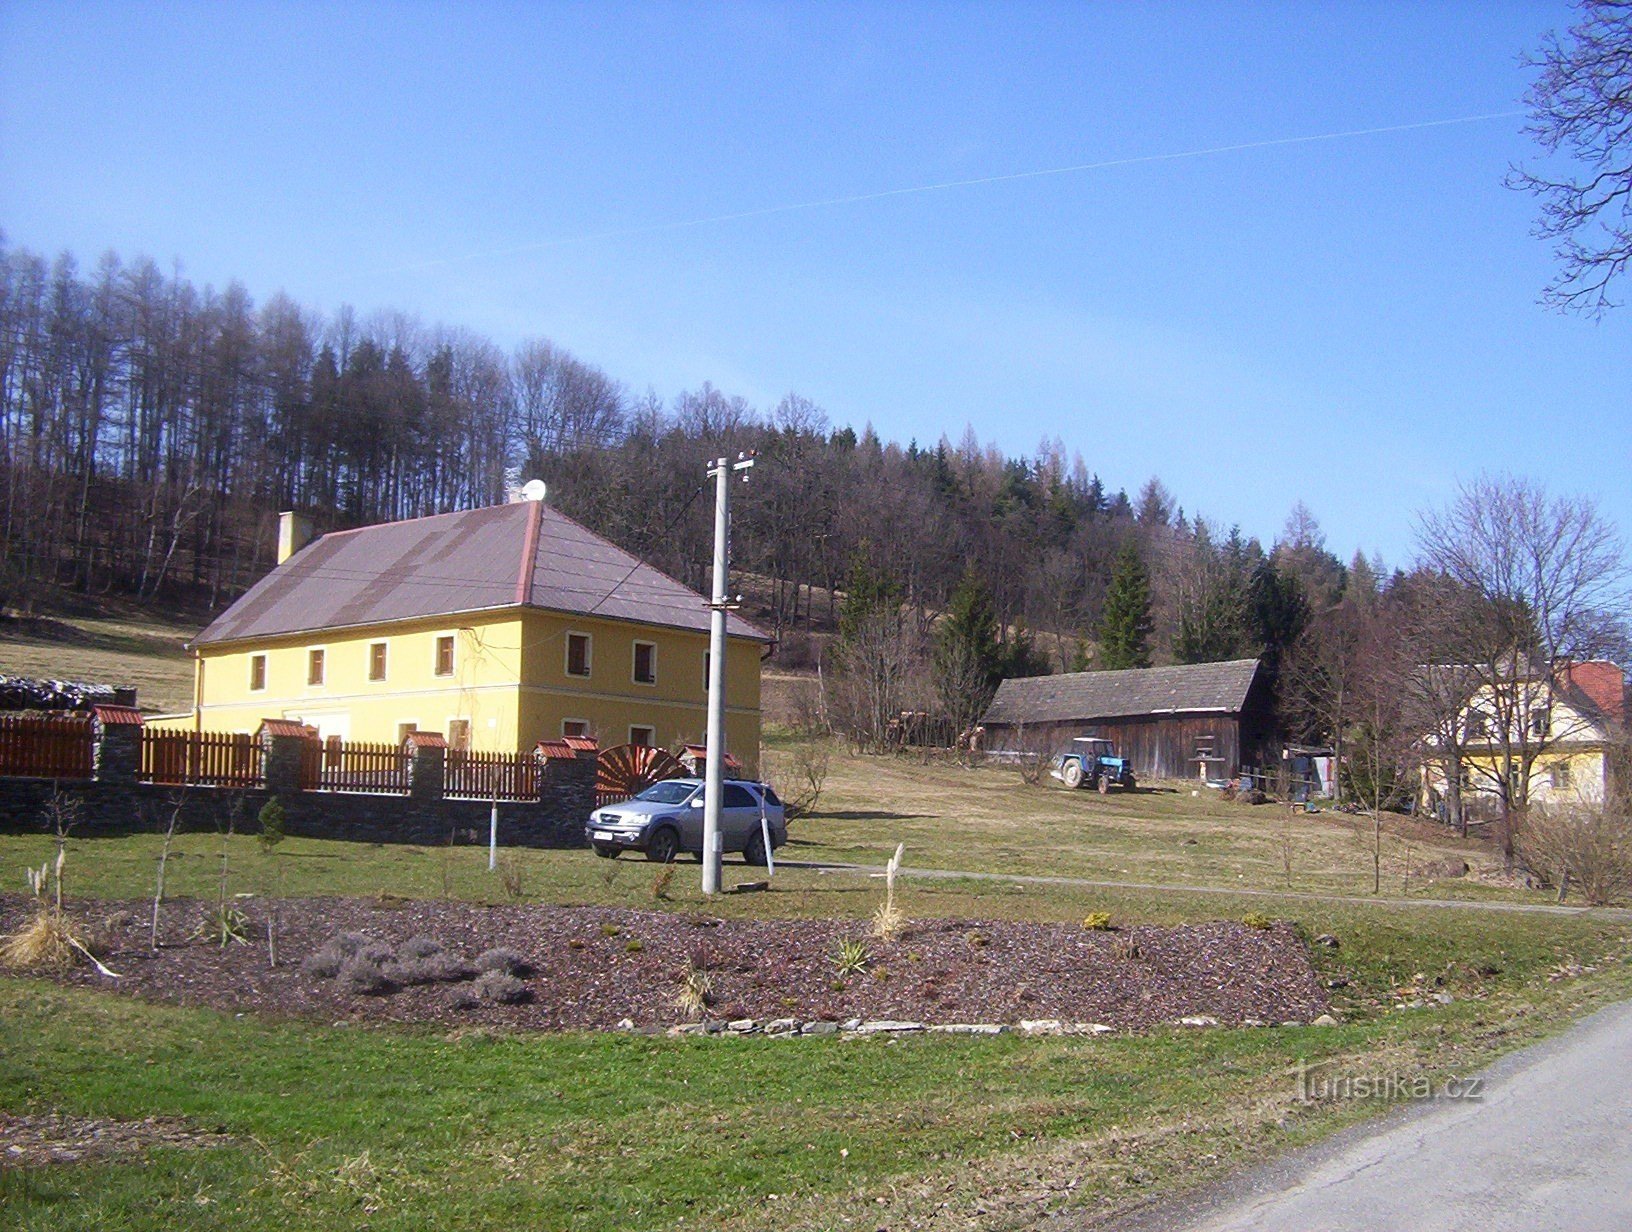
696 991
503 960
44 943
501 987
888 920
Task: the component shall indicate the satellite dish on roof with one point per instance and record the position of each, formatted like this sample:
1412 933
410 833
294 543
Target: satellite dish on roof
533 490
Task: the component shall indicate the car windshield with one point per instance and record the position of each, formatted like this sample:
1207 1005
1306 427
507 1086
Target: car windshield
668 793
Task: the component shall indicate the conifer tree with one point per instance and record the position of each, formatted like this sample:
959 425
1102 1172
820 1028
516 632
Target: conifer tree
1125 626
968 655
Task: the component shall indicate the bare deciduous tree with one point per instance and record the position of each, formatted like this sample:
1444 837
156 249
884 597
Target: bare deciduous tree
1543 576
1581 106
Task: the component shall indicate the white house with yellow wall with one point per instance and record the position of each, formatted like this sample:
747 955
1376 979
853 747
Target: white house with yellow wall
496 627
1553 736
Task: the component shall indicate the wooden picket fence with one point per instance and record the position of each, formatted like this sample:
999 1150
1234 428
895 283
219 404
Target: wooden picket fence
345 765
55 747
200 759
490 776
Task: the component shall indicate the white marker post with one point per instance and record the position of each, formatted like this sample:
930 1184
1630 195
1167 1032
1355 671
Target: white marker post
714 773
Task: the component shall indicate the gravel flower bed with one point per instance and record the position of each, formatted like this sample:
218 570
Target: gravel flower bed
562 968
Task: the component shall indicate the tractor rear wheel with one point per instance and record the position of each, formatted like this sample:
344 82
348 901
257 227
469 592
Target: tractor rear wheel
1071 774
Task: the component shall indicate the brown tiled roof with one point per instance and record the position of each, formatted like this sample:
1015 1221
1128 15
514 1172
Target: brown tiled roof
1190 688
523 554
113 716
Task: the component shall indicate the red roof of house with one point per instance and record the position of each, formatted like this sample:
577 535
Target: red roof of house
1602 683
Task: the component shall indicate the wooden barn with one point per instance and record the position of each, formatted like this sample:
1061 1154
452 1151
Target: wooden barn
1174 722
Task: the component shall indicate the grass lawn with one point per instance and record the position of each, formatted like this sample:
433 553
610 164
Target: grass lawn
393 1128
989 820
117 649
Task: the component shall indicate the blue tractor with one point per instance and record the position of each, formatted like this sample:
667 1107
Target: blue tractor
1092 762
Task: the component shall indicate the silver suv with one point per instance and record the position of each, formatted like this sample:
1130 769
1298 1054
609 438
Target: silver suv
667 818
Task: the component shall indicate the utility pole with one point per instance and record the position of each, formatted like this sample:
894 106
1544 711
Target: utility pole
714 774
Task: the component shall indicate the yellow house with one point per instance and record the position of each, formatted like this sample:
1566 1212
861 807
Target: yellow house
1563 729
496 627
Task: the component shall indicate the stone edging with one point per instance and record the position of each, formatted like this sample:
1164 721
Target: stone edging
789 1028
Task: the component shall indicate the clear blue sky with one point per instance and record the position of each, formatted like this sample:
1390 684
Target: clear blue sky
1350 322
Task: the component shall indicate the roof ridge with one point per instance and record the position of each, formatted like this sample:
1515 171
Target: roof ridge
529 554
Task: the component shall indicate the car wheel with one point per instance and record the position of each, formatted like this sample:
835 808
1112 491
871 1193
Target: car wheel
606 851
1071 774
754 852
663 847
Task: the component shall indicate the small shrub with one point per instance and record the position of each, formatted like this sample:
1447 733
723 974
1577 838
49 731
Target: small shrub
272 819
323 964
512 874
502 987
851 957
634 946
976 940
463 999
226 925
575 943
1254 919
1097 921
1127 949
363 976
880 974
438 968
610 930
662 879
503 960
418 947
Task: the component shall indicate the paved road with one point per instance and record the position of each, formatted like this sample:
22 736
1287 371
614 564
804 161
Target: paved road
1606 913
1547 1147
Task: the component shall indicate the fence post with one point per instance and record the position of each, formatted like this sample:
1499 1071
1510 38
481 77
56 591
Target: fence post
427 765
283 745
116 744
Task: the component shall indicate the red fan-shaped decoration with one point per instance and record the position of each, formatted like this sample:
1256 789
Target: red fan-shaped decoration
628 769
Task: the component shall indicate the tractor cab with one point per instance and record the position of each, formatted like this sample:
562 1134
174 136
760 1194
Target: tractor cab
1092 761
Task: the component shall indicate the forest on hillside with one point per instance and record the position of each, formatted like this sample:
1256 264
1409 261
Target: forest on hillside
150 429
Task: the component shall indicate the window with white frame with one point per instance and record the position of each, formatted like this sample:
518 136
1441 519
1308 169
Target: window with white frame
575 727
578 654
645 665
314 667
257 672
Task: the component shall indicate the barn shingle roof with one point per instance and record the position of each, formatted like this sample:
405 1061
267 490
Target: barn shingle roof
1215 687
522 554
